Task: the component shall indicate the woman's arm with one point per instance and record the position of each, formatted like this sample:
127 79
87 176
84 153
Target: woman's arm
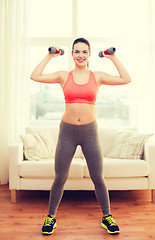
38 76
108 79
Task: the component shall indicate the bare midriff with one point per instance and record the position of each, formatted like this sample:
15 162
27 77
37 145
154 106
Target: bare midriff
79 113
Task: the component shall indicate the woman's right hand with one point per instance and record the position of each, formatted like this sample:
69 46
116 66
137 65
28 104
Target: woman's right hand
55 54
37 74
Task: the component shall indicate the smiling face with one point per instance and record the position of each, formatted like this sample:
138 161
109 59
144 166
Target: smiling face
81 54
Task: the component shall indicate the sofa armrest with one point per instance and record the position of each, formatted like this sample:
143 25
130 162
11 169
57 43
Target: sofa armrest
15 156
149 156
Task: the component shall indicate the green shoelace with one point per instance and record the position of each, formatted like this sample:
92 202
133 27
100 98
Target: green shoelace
111 221
48 221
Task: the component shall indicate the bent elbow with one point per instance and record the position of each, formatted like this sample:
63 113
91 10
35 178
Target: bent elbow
33 78
129 80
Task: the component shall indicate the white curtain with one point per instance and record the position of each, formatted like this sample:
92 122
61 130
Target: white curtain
14 76
152 55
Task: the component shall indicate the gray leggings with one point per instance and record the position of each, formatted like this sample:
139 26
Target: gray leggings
70 136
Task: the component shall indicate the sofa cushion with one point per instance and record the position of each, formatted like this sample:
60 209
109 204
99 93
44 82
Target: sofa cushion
36 147
45 169
122 168
108 136
129 145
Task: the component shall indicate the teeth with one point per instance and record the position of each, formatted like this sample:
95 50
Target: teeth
80 60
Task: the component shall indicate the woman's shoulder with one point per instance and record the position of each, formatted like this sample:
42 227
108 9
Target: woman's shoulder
63 73
97 74
63 77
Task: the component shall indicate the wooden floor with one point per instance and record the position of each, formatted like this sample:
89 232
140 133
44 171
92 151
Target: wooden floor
79 216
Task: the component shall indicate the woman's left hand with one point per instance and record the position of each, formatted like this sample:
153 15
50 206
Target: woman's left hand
110 56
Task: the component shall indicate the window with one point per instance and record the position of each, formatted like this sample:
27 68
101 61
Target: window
104 24
51 19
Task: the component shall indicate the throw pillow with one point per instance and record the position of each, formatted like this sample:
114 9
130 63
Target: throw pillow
129 145
35 147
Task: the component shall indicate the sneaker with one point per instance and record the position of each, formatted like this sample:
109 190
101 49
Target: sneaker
110 225
49 225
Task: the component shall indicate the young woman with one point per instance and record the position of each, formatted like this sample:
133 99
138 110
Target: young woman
79 127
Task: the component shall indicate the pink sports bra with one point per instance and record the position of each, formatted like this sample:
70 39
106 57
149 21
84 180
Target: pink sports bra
80 93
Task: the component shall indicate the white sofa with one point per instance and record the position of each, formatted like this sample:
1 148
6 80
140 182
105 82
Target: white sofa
120 174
